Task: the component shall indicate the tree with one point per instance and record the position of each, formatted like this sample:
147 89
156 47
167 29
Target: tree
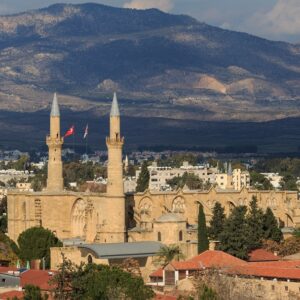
203 243
35 243
192 181
166 254
260 182
143 180
217 221
93 281
255 220
234 238
271 230
33 292
289 182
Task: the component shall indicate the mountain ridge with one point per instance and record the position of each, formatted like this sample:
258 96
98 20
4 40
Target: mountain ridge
157 62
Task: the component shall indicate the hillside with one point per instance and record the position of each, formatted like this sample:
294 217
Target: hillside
162 65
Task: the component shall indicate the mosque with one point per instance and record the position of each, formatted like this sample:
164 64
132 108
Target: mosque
113 225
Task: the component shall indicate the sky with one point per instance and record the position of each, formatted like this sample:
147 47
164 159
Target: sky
271 19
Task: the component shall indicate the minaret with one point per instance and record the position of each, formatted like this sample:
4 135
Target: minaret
54 142
114 145
113 205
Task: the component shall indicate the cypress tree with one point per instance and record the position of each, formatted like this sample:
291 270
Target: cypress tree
203 243
234 238
255 220
271 230
143 180
217 221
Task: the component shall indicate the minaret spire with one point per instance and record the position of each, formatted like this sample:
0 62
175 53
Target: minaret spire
115 112
54 142
55 108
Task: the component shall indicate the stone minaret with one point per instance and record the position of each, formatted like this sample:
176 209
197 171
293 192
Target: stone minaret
114 145
54 142
115 206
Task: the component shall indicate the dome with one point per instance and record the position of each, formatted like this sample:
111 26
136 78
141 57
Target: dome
170 217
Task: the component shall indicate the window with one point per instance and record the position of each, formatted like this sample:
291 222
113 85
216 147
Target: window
159 236
180 235
286 288
3 279
273 287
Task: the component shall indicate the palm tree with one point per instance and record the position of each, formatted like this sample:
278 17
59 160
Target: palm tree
168 253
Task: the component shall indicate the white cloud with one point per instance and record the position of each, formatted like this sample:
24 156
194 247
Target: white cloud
283 18
164 5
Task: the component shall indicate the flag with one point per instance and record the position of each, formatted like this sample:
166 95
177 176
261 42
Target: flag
86 131
70 131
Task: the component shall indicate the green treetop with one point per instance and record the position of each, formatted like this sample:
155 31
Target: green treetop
270 227
217 221
143 180
234 238
203 243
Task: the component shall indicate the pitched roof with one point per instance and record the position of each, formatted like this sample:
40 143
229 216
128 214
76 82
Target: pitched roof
262 255
233 265
157 273
214 258
39 278
123 250
55 108
115 112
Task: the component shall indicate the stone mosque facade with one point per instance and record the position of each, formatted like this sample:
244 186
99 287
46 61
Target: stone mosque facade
113 217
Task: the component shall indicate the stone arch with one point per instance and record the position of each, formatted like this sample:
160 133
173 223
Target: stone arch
145 206
289 221
178 205
78 218
230 205
38 212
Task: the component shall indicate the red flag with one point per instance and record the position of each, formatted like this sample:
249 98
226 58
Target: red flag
70 131
86 131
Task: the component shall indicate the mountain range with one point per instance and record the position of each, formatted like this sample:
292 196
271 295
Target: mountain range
163 66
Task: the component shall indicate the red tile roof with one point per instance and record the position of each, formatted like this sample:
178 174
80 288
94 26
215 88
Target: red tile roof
36 277
39 278
220 259
11 294
157 273
262 255
232 265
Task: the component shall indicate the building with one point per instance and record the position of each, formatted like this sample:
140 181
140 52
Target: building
274 179
159 176
113 217
236 179
274 278
95 217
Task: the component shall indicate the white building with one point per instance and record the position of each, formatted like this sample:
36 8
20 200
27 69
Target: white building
274 179
160 175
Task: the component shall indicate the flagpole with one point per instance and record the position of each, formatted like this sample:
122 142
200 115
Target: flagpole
74 146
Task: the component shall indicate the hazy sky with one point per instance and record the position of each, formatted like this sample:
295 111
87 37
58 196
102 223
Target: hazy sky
273 19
